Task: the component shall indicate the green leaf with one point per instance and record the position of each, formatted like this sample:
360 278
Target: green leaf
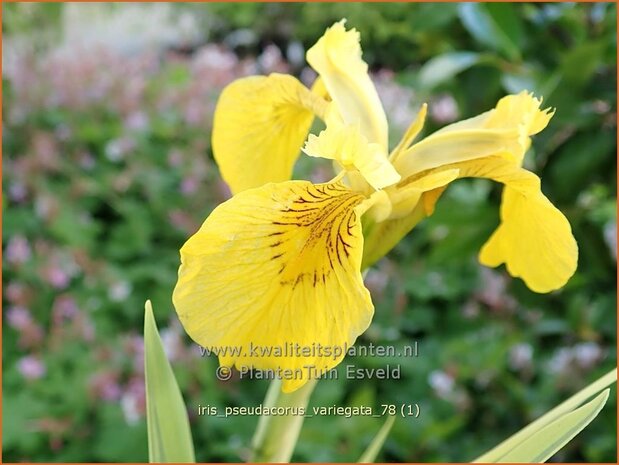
546 435
431 16
580 63
169 436
490 27
443 67
377 443
549 440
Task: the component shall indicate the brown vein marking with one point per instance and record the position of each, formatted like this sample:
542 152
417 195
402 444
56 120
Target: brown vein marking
324 215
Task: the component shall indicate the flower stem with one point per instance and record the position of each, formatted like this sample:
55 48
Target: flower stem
276 435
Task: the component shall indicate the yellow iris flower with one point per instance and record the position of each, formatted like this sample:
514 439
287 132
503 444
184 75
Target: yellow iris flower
279 264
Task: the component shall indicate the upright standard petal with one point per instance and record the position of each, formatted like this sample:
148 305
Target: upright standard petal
504 131
336 57
272 269
261 122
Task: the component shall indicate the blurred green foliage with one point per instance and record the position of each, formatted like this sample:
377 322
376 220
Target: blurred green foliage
493 355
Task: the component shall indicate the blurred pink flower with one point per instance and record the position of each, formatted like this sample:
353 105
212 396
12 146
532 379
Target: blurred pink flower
190 185
195 113
64 309
396 99
182 221
133 345
172 343
444 109
17 191
16 293
17 250
104 385
119 291
493 293
272 61
587 354
31 367
56 277
30 333
215 64
137 121
18 317
133 400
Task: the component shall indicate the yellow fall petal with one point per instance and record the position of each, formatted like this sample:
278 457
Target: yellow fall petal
534 239
347 145
503 131
336 57
259 126
273 266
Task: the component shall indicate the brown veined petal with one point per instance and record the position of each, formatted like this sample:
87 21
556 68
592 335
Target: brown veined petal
275 267
259 126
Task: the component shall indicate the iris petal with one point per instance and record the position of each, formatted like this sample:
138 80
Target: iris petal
262 122
351 149
504 131
336 57
534 239
273 266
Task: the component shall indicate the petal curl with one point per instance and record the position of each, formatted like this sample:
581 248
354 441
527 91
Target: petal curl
261 122
273 266
336 57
